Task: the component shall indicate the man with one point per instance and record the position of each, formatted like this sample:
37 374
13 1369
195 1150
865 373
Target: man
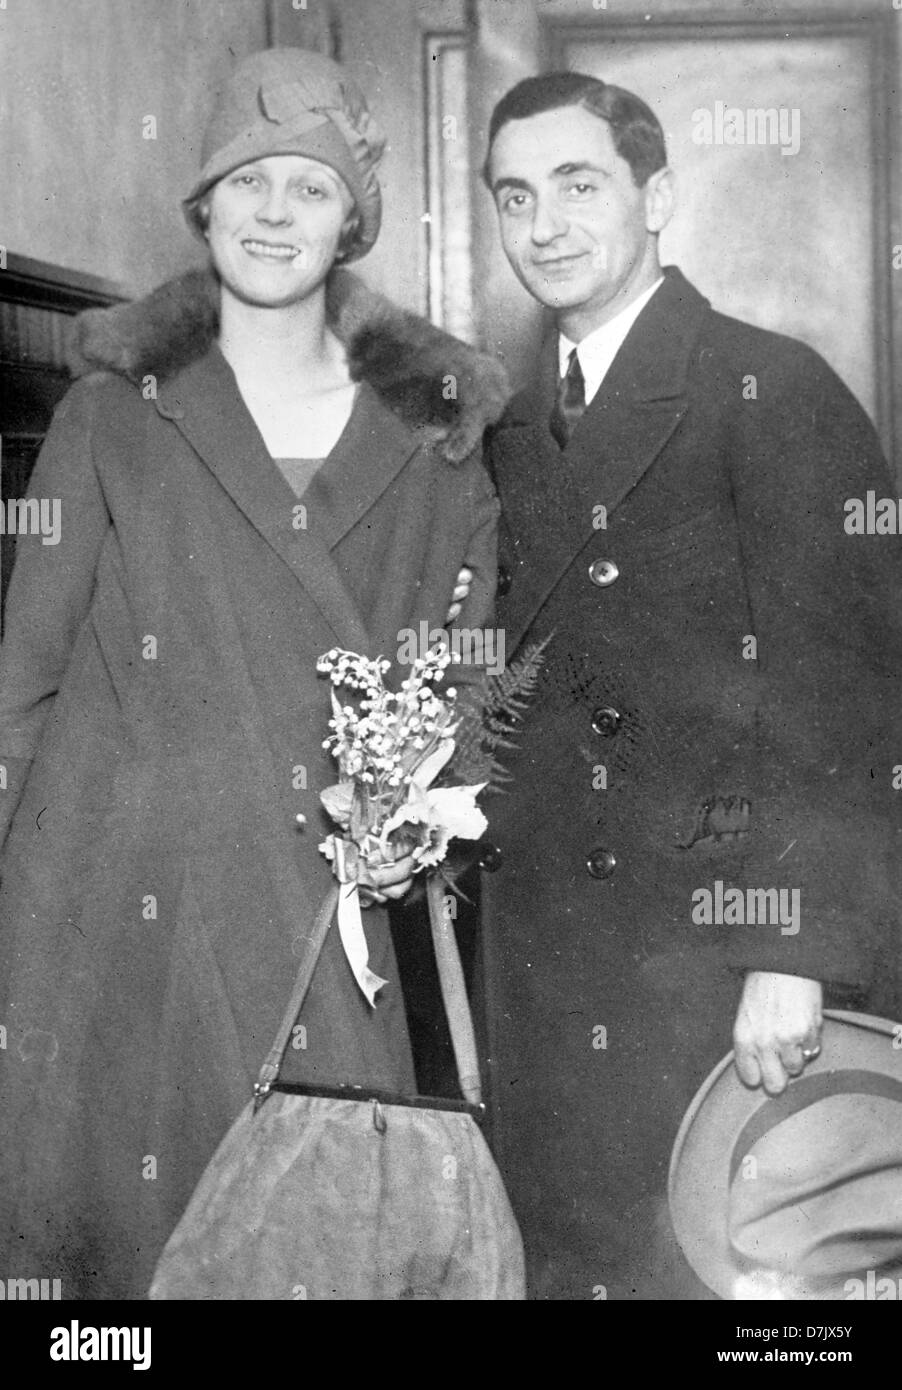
701 831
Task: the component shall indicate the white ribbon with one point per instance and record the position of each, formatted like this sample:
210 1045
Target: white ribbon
350 925
350 929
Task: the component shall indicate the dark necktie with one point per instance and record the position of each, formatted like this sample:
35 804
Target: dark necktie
570 404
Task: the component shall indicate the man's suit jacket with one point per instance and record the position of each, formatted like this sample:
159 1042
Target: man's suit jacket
721 706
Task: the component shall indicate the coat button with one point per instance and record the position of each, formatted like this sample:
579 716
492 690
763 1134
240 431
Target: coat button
490 859
606 721
505 580
603 573
601 863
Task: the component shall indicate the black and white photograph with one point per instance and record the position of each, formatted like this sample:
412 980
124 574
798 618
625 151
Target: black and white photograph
451 661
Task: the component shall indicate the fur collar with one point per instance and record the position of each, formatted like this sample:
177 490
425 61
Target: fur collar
403 357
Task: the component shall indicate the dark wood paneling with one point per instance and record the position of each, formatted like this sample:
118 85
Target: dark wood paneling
25 281
37 302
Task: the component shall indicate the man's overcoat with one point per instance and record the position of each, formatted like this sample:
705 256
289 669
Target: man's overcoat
720 704
161 728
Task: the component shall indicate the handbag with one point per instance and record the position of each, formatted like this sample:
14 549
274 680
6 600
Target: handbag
341 1192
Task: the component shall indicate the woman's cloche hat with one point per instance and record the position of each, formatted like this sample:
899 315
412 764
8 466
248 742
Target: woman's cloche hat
291 101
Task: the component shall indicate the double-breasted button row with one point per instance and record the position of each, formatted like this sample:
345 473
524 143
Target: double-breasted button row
601 862
606 721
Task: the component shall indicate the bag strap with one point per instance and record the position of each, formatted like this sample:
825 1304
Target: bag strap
451 979
313 945
454 991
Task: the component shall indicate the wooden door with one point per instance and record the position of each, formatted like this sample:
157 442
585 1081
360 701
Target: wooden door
781 136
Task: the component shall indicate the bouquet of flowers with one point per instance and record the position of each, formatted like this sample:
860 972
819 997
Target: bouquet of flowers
390 749
395 750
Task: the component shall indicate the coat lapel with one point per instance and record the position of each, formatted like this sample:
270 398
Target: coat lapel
550 496
204 402
373 449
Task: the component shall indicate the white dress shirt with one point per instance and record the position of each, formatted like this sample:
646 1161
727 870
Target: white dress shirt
598 349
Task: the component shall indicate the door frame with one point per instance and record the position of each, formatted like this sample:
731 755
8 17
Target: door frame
880 31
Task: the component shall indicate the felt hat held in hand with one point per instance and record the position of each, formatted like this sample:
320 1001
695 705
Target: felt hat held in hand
798 1196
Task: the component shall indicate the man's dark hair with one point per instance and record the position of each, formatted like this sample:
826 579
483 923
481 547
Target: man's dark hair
637 133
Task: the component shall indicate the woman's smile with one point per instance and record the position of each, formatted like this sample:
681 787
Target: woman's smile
271 251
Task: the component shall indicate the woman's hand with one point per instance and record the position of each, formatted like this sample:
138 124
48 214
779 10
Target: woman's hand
461 592
389 881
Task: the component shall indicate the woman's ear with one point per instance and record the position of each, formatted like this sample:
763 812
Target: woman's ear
349 233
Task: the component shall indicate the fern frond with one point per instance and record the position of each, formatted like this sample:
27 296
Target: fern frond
488 712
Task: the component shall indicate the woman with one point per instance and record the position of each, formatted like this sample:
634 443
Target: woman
261 464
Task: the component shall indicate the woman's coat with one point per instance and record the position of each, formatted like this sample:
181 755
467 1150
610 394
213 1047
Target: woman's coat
161 728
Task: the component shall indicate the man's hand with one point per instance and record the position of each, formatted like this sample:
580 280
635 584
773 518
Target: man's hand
777 1028
461 590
